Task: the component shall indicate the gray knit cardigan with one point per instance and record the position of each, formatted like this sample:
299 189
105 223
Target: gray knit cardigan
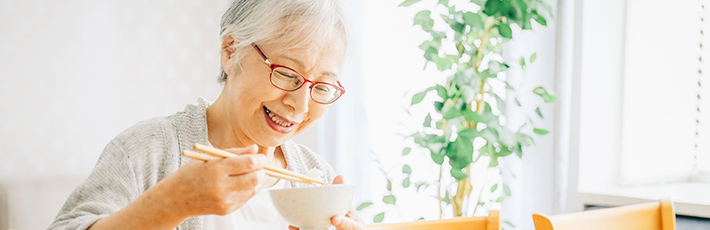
144 154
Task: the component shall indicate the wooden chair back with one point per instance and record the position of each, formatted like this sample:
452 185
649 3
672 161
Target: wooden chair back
490 222
648 216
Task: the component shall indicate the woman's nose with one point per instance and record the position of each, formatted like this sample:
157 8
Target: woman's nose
299 99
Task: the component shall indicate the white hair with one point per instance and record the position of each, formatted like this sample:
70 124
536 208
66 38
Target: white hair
298 23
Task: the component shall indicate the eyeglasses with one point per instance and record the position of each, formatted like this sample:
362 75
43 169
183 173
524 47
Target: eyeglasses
288 79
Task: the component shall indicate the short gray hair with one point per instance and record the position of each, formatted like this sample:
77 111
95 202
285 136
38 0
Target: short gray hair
293 22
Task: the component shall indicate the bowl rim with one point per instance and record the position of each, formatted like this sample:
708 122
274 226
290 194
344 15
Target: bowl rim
312 187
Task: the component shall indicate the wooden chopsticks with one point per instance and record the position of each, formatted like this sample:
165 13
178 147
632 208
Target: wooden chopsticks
214 154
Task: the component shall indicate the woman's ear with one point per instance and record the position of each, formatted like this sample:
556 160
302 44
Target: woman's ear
227 49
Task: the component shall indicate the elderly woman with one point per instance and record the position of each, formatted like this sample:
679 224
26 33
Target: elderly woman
281 62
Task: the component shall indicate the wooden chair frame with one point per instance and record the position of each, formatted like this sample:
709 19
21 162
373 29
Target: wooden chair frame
648 216
490 222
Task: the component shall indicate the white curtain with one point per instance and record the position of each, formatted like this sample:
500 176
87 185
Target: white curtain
342 131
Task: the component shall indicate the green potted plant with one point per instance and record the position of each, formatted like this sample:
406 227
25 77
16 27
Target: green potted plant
468 120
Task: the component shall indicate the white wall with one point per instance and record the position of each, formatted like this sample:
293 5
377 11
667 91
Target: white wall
75 73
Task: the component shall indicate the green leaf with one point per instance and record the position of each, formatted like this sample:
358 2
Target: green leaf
486 74
472 116
494 162
447 200
537 110
479 2
437 158
438 105
389 199
431 53
540 131
543 10
363 205
409 2
494 8
546 96
406 169
500 199
518 150
504 30
506 189
442 63
419 185
460 152
458 27
458 174
502 106
496 67
444 2
522 62
389 185
427 120
405 183
494 187
452 113
379 217
524 140
469 133
508 86
540 19
473 20
406 151
441 91
417 98
430 44
423 18
533 57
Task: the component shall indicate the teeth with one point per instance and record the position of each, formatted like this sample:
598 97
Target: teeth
276 119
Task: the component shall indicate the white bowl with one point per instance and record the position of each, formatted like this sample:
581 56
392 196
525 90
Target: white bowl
310 208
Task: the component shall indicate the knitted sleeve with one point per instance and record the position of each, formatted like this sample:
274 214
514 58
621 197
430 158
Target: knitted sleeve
110 187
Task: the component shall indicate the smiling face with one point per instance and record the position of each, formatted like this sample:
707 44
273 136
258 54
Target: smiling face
260 113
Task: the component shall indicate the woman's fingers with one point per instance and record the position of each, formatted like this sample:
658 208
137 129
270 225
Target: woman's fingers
243 164
223 185
247 180
338 180
345 223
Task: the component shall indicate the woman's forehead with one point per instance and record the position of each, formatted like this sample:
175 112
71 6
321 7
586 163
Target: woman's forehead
327 59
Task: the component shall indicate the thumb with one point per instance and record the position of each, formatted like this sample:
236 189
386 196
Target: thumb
339 180
342 223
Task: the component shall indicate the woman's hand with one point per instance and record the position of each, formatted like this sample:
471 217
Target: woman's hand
197 188
217 186
350 221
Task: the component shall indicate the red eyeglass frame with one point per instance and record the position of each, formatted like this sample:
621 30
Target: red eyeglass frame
274 66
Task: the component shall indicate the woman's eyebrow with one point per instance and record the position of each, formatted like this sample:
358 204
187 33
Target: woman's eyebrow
331 75
298 62
303 66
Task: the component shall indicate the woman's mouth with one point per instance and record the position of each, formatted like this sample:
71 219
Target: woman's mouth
278 123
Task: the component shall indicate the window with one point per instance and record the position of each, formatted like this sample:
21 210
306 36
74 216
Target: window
634 105
663 97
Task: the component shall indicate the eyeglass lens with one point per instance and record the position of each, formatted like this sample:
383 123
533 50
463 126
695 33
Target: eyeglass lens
287 79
